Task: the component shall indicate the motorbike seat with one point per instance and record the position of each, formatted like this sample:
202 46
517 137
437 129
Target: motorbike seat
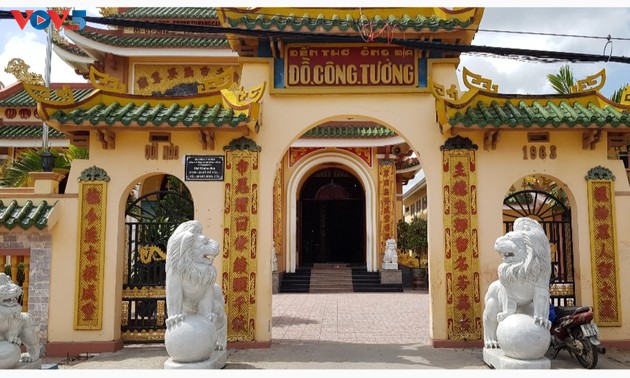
570 310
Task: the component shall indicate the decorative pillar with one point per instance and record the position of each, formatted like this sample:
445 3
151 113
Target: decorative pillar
277 212
88 312
239 238
604 255
277 250
463 299
27 268
46 182
387 203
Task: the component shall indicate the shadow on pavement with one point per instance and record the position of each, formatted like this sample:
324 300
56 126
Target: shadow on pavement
330 356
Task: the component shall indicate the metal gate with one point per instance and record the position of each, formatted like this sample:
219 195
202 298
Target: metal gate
150 222
555 218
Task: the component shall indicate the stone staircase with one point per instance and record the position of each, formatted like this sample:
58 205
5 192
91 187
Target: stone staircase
336 278
331 278
298 282
370 282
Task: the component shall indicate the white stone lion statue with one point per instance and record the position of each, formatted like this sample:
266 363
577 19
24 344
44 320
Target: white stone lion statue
523 284
16 327
190 279
391 253
274 258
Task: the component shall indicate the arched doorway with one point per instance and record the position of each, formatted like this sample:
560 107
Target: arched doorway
331 219
303 170
155 207
552 211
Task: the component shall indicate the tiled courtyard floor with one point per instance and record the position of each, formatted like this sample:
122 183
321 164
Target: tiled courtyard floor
363 318
343 331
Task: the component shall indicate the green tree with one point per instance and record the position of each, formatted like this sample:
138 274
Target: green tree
413 235
616 96
15 172
402 229
563 80
19 280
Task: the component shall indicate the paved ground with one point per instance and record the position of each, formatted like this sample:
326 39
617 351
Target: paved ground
339 331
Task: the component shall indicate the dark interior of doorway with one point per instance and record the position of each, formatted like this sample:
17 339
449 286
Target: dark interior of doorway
332 219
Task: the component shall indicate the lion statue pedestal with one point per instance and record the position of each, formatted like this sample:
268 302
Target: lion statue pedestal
516 314
196 326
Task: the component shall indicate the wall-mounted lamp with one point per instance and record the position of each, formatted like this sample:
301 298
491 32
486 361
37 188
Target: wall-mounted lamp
48 161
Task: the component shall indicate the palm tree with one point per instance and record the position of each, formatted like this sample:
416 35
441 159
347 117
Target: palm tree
15 172
562 81
616 96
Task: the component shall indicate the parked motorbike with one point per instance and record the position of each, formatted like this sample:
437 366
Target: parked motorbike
574 330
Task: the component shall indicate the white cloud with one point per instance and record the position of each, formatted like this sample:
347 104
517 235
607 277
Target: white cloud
514 76
28 46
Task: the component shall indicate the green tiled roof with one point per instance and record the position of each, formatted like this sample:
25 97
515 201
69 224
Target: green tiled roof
349 132
25 216
347 22
22 98
28 132
540 114
170 13
144 114
407 163
71 48
122 40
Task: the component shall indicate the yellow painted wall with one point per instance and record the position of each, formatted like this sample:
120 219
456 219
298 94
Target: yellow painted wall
208 198
285 118
497 170
412 198
410 115
413 117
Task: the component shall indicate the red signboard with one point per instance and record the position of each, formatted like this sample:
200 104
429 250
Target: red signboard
349 66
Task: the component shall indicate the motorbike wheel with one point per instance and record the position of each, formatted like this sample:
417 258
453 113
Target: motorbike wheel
588 358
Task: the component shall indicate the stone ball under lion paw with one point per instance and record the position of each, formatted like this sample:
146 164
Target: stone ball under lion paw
520 338
10 355
192 340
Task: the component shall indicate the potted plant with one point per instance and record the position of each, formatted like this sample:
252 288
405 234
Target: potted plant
413 237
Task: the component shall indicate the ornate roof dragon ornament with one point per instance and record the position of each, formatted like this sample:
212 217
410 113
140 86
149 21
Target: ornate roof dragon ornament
18 68
35 86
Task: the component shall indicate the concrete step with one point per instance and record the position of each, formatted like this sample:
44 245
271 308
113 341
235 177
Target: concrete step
318 266
327 279
322 290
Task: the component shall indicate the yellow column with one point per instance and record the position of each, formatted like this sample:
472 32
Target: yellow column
46 182
88 311
14 268
387 204
26 260
459 182
239 238
277 217
604 253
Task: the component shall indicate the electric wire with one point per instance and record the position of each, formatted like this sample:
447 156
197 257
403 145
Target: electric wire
523 54
364 22
531 55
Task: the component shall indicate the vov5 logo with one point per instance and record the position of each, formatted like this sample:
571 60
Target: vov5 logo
41 19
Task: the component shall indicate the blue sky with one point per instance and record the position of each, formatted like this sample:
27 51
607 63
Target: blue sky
30 45
525 77
511 76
